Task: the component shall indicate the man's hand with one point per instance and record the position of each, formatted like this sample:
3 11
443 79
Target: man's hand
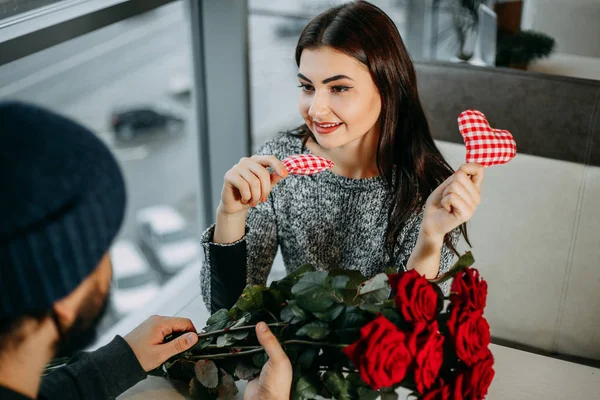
275 380
147 340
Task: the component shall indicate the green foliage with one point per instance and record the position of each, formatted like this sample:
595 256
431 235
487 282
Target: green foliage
314 314
523 48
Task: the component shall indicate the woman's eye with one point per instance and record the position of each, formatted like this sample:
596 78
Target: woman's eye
340 89
306 88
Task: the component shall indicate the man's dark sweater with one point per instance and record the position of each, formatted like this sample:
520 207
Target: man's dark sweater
102 374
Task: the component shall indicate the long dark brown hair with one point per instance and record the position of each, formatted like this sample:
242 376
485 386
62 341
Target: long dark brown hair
363 31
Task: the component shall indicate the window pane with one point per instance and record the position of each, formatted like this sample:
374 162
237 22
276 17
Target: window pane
274 28
130 83
10 8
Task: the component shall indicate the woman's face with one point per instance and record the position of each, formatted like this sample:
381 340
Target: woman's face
338 99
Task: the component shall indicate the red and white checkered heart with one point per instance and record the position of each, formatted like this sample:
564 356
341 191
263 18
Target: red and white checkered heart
485 145
306 164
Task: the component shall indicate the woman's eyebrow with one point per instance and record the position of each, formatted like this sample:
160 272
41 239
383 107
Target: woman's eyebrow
328 80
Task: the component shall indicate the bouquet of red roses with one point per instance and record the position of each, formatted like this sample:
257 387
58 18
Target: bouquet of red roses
352 338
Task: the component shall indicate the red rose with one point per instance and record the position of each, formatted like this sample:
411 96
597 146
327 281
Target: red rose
415 297
426 346
470 333
441 393
481 377
457 388
380 355
473 384
469 290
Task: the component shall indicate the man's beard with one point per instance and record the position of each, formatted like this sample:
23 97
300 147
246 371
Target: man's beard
83 332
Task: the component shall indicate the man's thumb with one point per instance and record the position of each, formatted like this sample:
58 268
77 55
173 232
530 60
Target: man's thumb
270 343
183 343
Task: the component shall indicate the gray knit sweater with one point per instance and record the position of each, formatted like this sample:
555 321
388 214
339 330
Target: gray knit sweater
327 220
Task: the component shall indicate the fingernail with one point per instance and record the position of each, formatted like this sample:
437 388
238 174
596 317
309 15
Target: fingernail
189 338
284 173
263 199
262 327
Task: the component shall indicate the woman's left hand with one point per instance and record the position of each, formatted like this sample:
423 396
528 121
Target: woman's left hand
453 202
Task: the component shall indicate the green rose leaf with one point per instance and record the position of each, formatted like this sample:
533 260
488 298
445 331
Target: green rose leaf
202 344
293 313
306 389
296 309
366 393
239 335
331 314
349 323
207 373
306 358
299 272
340 281
260 359
375 290
390 270
227 389
310 280
219 316
251 298
355 277
315 299
335 383
466 260
273 300
363 391
181 369
218 321
340 387
394 315
340 285
312 292
354 378
240 322
287 315
197 391
229 338
315 330
225 340
370 307
285 285
246 372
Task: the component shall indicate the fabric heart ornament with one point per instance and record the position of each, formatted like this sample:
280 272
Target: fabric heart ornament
485 145
306 164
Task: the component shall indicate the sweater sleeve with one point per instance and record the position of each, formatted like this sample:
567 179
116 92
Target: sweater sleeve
102 374
408 242
223 271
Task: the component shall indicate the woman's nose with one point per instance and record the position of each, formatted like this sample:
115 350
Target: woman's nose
319 106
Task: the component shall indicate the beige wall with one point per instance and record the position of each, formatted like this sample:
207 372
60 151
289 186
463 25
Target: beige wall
574 24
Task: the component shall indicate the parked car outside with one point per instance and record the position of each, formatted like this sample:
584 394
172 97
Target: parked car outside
134 282
139 121
165 234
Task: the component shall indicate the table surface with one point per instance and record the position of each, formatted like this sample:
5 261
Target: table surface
519 374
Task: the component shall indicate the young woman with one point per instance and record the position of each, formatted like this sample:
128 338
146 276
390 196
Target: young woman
390 200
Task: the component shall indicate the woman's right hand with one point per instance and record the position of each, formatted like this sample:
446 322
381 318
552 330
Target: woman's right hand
249 183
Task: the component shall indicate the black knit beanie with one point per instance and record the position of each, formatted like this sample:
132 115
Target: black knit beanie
62 202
